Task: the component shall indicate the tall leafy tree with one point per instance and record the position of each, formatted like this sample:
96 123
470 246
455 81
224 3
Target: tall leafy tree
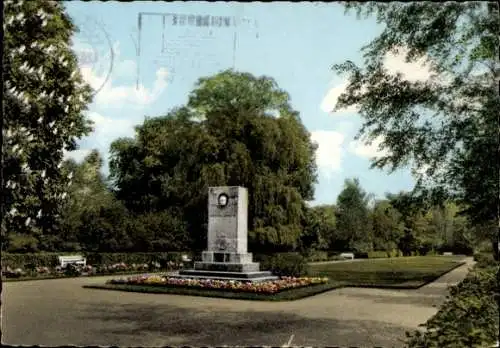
387 226
352 215
227 134
319 228
447 124
87 195
44 97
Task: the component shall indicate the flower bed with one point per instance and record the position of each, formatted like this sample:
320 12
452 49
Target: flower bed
266 287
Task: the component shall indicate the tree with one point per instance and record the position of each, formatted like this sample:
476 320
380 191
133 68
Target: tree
88 195
44 97
227 134
447 124
387 226
319 228
352 215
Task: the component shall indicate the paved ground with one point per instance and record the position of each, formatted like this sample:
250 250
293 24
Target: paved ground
61 312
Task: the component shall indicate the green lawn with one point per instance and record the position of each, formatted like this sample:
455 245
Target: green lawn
403 273
407 272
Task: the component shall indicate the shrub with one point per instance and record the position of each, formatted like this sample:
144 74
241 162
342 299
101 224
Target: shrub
71 271
378 254
469 318
316 256
361 255
51 260
284 264
485 260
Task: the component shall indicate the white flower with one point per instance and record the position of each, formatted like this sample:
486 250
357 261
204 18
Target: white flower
70 175
12 89
54 131
44 23
30 137
70 182
21 49
64 195
71 124
13 211
14 185
59 165
40 69
66 108
34 44
51 95
20 16
15 147
39 214
9 133
28 220
51 124
22 129
40 119
43 173
60 99
7 184
24 167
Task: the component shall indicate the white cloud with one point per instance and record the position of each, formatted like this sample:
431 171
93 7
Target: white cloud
107 129
329 152
414 71
361 148
394 63
111 95
330 99
77 155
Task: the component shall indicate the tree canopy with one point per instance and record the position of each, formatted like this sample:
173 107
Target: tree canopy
237 130
447 125
44 97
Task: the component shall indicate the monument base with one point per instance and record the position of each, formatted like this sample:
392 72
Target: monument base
225 266
258 276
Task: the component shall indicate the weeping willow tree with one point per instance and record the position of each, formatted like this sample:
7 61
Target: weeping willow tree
236 130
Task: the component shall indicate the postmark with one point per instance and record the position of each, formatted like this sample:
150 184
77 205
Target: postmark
94 49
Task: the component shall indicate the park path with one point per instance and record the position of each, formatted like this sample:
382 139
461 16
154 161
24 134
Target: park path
61 312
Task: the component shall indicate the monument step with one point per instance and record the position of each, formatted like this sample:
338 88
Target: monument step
233 275
261 278
227 267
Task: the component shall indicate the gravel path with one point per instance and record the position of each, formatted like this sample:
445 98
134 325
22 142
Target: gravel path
61 312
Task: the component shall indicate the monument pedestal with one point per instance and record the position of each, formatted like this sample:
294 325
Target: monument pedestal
227 257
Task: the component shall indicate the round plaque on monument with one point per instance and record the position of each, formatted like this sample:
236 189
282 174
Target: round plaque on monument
222 200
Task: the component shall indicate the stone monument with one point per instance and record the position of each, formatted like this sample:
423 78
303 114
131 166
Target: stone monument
226 256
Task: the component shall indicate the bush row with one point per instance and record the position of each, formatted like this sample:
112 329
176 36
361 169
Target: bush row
28 261
469 318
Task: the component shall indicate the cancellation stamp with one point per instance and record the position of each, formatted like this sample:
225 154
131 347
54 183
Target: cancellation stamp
94 49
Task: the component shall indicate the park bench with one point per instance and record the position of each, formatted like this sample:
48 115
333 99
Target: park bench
447 254
72 260
347 256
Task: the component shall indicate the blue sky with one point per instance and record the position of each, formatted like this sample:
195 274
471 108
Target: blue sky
296 44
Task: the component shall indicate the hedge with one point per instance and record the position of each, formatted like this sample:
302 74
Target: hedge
469 318
51 259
